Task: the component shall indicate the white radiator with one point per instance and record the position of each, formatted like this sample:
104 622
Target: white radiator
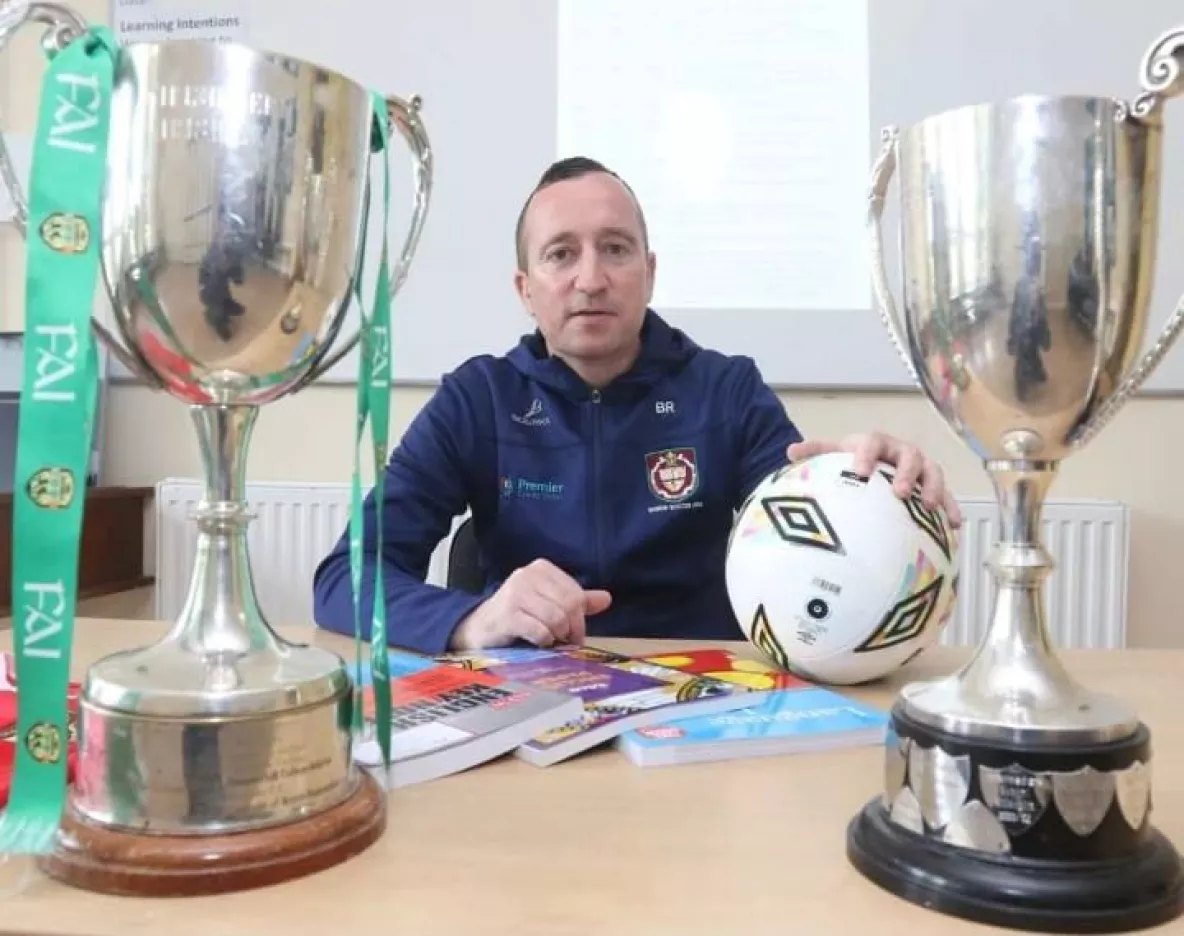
297 524
1086 594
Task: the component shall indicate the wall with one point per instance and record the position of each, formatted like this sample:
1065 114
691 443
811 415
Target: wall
148 435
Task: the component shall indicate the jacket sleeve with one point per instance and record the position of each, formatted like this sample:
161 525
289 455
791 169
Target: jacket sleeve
764 430
427 483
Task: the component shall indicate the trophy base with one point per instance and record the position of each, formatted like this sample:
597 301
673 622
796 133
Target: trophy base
1042 835
97 858
1138 891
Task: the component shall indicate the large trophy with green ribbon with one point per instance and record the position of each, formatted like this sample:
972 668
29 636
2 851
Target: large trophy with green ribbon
223 193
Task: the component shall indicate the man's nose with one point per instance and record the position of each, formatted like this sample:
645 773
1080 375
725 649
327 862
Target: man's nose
590 276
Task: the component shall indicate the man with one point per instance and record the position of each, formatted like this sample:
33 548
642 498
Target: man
602 458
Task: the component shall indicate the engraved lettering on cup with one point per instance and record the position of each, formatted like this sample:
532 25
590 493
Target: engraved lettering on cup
204 113
975 826
906 811
940 781
895 764
1132 787
1083 797
1017 796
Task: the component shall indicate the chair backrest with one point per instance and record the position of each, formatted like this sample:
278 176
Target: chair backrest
464 564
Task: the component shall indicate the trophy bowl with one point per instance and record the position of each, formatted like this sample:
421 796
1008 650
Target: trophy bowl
233 223
1014 795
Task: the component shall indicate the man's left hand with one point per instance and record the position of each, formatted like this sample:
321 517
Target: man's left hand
913 467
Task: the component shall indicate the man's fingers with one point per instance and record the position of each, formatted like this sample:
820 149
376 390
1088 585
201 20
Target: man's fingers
531 629
866 452
807 449
553 616
953 510
596 600
932 483
566 593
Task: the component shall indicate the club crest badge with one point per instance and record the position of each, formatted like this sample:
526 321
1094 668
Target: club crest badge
51 488
673 474
65 233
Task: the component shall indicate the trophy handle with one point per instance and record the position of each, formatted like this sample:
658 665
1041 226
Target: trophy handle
64 26
404 115
882 171
1162 78
1159 74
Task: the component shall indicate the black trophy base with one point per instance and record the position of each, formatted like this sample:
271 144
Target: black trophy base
1137 892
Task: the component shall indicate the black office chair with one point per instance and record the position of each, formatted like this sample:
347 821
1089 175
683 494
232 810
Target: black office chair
464 560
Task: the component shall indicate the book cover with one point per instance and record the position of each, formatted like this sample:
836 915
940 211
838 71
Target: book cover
445 720
617 693
793 716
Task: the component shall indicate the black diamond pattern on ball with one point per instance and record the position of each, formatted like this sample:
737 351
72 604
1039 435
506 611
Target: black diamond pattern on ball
765 640
799 519
931 521
906 619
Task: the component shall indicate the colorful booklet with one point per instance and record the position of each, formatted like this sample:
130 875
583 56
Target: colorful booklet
617 693
445 719
793 716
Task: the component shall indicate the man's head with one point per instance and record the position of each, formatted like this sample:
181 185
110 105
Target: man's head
585 272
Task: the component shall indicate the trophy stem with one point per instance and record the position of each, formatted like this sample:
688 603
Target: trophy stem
1020 565
1016 688
221 612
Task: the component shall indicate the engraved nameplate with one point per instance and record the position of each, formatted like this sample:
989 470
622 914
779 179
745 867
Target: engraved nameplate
164 775
1017 796
1083 797
940 782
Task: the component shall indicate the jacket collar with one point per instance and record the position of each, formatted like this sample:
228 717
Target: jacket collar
664 351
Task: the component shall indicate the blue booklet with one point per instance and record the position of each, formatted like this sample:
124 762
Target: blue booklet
793 716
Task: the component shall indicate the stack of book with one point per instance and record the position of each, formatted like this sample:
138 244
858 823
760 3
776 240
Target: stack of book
456 711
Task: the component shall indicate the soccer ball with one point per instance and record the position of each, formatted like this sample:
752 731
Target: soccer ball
834 577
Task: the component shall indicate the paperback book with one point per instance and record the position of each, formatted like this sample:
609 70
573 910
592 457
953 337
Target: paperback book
616 693
792 716
445 719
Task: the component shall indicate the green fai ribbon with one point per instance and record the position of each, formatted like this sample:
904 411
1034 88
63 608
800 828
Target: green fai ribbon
56 422
374 404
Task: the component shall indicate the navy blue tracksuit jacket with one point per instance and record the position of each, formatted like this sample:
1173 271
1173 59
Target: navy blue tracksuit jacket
631 489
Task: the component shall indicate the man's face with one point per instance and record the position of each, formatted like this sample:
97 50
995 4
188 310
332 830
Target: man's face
588 277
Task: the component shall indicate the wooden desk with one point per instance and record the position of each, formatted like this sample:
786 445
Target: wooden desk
596 846
111 553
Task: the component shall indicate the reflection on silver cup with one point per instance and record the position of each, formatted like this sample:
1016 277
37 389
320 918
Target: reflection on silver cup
233 217
1028 239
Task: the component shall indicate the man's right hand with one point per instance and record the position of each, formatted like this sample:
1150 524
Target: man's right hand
539 603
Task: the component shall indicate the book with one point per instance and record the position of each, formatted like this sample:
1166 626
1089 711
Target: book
617 693
9 698
793 716
445 719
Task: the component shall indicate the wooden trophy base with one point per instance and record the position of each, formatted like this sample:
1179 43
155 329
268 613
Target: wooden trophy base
97 858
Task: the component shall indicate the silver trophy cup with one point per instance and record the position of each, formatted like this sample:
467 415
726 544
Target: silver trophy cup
235 210
1013 794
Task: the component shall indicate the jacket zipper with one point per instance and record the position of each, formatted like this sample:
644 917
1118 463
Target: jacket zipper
596 524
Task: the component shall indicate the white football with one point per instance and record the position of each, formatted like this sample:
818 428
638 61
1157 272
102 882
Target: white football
834 577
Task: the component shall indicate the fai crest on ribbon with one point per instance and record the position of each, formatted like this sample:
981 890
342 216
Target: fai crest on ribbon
66 233
673 474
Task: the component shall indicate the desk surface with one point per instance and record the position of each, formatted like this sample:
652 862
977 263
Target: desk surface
596 846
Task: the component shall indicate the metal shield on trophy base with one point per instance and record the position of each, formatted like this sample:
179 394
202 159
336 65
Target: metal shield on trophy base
233 213
1013 795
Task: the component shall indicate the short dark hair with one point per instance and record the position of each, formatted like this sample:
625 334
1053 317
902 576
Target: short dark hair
572 167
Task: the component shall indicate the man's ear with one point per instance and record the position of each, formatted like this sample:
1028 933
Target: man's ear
522 287
651 265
